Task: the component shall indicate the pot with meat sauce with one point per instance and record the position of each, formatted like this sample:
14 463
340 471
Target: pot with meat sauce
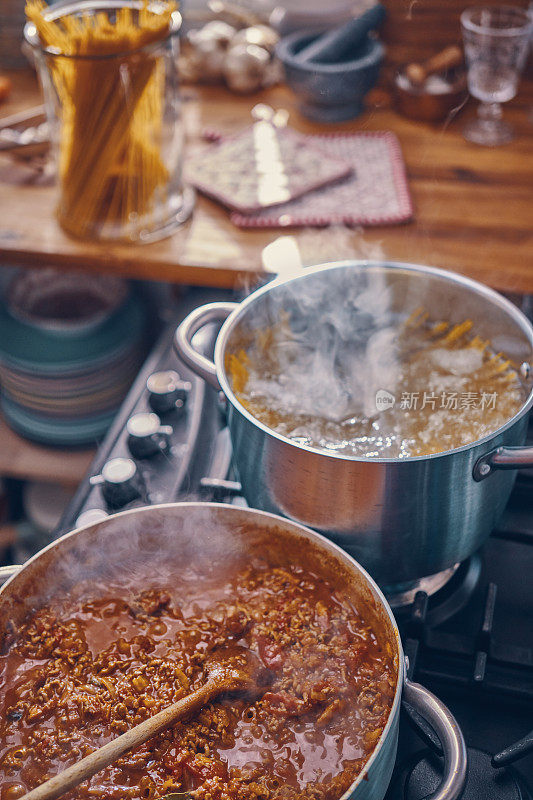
112 622
377 486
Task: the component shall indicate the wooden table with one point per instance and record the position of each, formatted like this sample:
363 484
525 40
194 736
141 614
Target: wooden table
20 458
473 205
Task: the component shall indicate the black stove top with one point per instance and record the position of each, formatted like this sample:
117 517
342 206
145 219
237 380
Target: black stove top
479 661
471 642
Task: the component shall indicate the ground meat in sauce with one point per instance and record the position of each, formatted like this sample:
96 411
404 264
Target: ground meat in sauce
85 669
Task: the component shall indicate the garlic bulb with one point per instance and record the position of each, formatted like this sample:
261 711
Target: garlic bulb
220 31
261 35
209 45
245 66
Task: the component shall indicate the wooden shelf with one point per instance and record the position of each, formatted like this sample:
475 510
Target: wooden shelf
20 458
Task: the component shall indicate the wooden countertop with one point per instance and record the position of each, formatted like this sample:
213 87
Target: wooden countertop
473 205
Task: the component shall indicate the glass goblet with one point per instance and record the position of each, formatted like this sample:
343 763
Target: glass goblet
496 41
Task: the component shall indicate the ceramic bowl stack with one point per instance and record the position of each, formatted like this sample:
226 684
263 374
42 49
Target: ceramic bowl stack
70 346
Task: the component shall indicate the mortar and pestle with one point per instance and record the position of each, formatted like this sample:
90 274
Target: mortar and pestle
429 91
333 71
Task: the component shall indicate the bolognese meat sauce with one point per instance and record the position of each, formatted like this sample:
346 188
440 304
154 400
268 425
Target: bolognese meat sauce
84 669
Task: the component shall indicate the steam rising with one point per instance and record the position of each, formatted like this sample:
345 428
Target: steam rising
324 352
139 544
146 543
341 348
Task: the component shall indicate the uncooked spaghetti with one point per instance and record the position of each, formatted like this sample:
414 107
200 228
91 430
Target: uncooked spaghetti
110 87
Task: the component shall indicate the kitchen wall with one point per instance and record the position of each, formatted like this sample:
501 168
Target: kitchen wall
416 29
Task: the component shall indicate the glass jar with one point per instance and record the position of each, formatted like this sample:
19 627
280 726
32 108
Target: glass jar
116 130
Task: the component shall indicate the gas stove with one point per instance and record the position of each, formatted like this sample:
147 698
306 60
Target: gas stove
470 641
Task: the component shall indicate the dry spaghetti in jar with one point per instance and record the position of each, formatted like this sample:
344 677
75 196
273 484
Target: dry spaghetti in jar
110 88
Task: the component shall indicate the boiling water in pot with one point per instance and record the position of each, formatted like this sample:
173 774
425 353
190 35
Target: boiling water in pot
398 386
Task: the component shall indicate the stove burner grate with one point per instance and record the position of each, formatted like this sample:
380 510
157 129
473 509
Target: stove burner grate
448 599
421 774
399 598
478 662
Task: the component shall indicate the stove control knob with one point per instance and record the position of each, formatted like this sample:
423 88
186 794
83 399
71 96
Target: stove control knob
167 391
146 435
120 481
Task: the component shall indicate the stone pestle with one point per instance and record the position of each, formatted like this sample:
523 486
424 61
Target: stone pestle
342 43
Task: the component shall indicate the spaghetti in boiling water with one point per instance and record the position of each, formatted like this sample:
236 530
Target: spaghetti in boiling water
450 389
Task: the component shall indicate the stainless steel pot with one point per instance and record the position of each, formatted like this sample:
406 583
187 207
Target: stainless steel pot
403 519
132 538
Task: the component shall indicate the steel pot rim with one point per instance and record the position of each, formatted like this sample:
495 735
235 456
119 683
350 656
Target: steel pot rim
490 294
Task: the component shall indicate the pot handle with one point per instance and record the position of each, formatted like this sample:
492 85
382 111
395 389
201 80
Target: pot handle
8 572
502 458
451 738
200 364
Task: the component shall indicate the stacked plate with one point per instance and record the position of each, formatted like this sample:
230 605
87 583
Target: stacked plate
70 346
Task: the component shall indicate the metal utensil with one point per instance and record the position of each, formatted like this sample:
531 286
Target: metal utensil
26 133
233 669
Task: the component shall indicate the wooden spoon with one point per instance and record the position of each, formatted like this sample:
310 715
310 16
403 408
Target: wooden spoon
233 669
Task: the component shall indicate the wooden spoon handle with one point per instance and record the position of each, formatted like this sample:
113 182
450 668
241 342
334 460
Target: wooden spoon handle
111 751
449 57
